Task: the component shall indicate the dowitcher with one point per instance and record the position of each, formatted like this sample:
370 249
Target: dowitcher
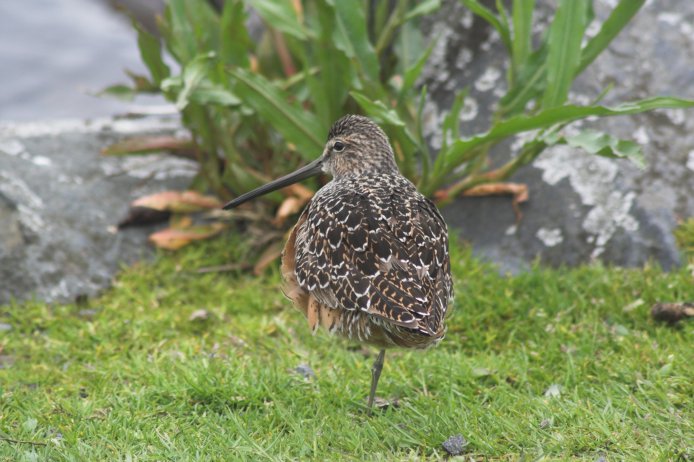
368 258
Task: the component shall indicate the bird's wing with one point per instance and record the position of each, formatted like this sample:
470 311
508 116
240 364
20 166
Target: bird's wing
386 257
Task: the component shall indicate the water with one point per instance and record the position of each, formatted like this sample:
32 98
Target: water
53 54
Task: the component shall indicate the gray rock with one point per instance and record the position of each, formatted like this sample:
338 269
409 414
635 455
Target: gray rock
455 445
581 208
60 201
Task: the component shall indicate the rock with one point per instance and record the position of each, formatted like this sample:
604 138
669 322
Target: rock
582 208
455 445
60 201
305 371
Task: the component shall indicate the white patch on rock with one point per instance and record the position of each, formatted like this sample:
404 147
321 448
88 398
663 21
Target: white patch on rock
488 80
511 230
41 161
27 201
592 178
641 136
690 160
470 109
11 147
57 127
550 237
158 167
671 19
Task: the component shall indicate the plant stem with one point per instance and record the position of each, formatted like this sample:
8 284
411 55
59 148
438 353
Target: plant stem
529 152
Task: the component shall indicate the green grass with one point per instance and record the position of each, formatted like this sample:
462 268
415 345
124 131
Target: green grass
137 380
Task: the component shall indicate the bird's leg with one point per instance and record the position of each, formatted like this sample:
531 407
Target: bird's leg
375 374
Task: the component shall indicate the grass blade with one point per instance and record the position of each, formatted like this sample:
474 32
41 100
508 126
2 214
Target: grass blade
486 14
298 127
377 110
613 25
235 42
281 16
352 37
565 36
551 116
522 32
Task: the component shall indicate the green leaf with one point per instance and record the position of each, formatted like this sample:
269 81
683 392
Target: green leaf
207 92
299 127
281 16
606 145
485 13
235 43
179 32
414 71
556 115
329 87
451 122
522 32
150 52
565 36
377 110
613 25
193 74
351 36
423 8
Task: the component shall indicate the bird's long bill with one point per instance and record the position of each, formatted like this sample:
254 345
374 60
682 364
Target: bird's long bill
312 169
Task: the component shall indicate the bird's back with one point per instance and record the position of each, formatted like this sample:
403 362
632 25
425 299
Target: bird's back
368 259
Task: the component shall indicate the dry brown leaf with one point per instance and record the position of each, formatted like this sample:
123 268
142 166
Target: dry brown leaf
269 255
519 191
178 201
300 191
289 206
174 239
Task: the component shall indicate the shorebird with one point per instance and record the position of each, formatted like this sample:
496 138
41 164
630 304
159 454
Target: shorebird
368 258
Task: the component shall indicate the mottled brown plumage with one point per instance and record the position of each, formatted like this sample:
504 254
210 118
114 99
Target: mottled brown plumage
368 258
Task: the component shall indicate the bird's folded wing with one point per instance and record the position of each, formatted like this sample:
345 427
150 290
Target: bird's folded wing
389 259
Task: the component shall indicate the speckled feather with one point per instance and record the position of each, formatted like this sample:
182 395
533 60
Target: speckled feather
370 253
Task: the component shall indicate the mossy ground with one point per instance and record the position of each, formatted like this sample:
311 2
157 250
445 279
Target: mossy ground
550 364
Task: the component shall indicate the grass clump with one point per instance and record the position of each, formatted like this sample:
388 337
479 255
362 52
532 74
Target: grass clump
554 364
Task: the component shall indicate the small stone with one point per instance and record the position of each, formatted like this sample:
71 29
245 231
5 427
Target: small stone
455 445
5 327
545 423
305 371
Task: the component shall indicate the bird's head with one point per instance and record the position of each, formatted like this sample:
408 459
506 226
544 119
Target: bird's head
356 146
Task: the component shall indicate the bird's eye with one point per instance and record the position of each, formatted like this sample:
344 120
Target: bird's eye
338 146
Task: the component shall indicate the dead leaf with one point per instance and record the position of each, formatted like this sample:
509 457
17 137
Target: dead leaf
148 144
199 315
178 201
270 254
174 239
300 191
519 191
289 206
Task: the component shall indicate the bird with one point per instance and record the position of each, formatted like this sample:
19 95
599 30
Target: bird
368 258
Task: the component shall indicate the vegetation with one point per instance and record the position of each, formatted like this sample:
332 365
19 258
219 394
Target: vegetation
259 108
174 364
